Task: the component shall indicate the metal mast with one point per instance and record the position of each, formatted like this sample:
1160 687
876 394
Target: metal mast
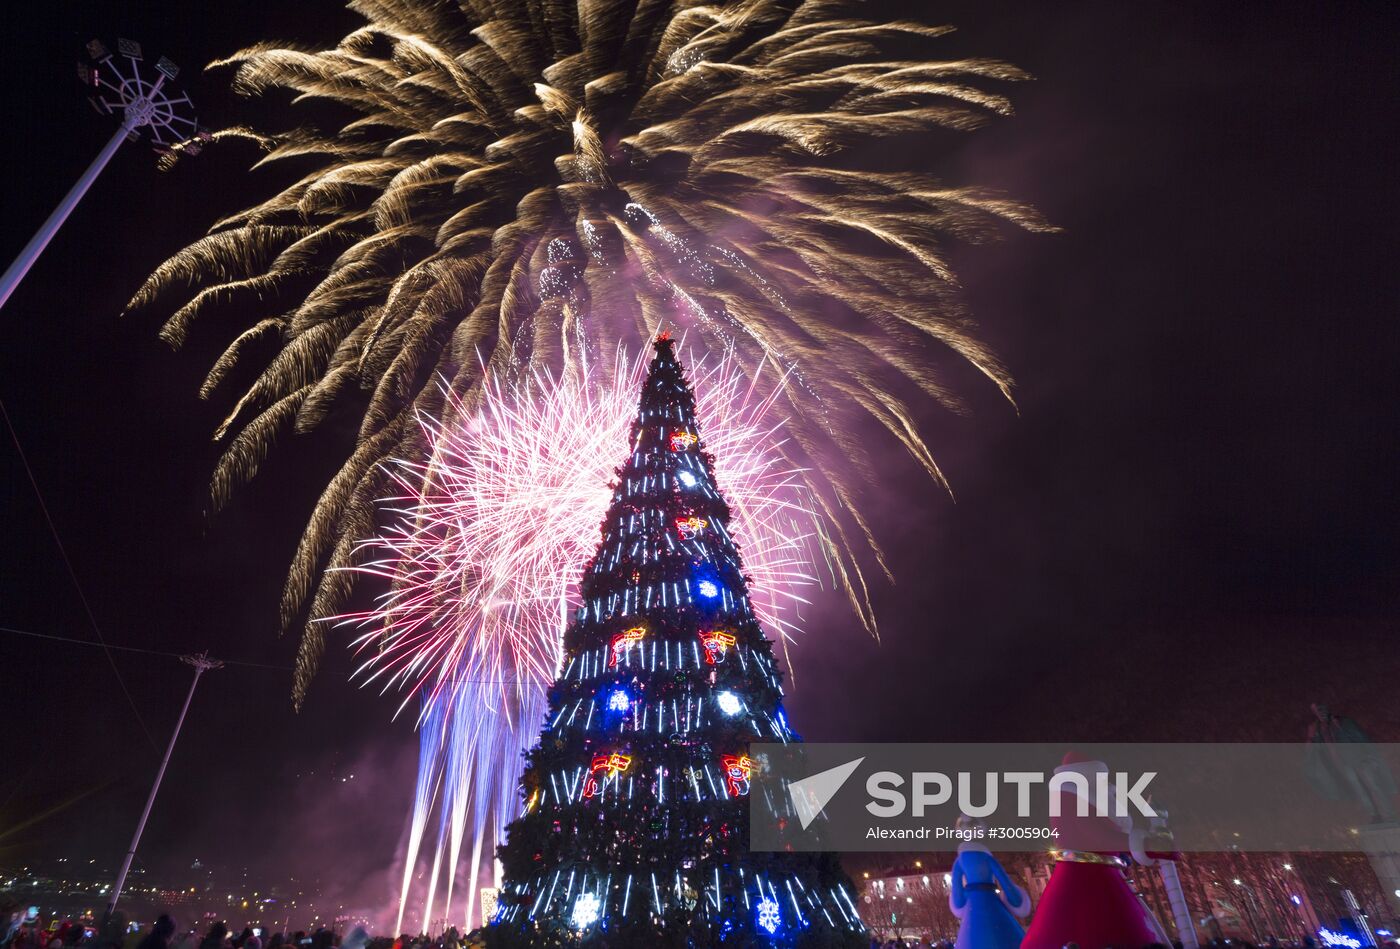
202 664
123 86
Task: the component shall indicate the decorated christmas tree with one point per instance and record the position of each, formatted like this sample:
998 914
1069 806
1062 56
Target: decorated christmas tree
636 811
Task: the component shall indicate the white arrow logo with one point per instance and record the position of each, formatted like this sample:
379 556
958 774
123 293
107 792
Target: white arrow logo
812 793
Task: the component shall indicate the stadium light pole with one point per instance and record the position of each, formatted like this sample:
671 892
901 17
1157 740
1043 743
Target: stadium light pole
202 664
143 101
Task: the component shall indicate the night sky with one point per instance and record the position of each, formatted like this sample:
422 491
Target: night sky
1187 531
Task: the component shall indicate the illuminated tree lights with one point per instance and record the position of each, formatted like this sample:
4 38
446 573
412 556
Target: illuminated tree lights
625 641
483 556
680 441
635 825
585 910
690 527
715 644
769 915
737 769
605 767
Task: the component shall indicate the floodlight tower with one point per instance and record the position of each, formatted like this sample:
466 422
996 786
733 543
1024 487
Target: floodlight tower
202 664
138 94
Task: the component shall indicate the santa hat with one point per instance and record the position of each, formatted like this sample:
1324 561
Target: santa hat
1099 828
1101 832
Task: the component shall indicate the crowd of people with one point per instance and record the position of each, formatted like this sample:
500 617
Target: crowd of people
164 934
927 943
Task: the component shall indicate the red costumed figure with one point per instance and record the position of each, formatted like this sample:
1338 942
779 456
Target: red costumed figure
1088 900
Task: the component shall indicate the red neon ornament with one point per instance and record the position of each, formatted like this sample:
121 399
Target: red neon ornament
690 527
737 769
609 766
624 641
681 440
715 643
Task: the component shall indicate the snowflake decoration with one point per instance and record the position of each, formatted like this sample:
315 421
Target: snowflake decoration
770 916
586 910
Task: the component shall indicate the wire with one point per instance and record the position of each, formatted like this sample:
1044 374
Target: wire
150 652
73 575
179 655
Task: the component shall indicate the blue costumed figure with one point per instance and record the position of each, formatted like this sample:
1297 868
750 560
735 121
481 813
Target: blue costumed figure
986 916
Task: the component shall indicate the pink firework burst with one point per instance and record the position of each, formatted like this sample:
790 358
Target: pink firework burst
492 532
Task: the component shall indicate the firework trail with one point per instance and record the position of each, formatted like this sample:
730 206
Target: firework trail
520 185
488 540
